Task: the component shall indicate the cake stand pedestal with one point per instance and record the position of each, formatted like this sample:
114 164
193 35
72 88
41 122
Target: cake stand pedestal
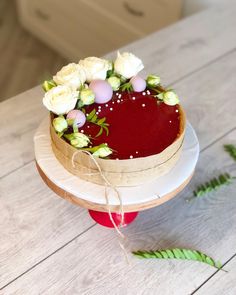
134 198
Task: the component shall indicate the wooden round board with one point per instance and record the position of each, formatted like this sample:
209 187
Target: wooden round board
134 198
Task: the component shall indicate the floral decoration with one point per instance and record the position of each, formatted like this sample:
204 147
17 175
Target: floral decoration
72 90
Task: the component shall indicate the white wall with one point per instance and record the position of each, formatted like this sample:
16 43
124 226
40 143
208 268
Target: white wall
193 6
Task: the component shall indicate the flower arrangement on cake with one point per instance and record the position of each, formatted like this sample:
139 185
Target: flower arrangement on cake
134 127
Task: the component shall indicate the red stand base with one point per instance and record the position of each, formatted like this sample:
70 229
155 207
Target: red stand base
103 218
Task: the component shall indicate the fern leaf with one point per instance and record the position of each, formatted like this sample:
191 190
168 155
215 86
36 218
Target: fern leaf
231 150
213 185
178 253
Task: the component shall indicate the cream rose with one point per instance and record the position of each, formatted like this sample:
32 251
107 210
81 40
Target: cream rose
95 68
127 65
60 99
72 75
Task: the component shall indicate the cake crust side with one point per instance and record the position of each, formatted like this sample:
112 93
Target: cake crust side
127 172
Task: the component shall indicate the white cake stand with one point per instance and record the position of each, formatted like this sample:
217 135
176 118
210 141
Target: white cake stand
134 198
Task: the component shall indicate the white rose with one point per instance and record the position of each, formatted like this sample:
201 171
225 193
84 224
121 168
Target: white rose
71 75
95 68
127 65
60 99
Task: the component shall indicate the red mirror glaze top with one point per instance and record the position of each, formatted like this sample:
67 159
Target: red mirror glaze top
139 125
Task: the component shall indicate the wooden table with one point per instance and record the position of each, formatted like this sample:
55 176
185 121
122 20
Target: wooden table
49 246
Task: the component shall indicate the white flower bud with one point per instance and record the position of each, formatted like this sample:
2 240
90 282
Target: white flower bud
60 124
170 98
78 140
153 80
102 152
114 82
87 96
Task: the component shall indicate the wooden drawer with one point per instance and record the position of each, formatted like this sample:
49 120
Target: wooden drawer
79 28
75 30
145 16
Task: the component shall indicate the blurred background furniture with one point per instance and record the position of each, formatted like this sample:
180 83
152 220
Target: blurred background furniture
94 27
74 29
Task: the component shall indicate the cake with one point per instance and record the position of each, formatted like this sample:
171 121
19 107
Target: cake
105 118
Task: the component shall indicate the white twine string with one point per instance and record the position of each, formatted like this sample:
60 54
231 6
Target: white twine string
107 184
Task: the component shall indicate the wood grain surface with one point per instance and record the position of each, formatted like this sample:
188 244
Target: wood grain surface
47 245
94 263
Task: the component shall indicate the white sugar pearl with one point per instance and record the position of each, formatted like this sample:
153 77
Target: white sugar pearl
131 157
106 105
118 100
136 152
88 126
177 111
82 131
144 93
113 102
143 105
119 96
97 113
170 121
133 98
111 109
148 92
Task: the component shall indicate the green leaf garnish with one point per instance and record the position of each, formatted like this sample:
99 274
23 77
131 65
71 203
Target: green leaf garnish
48 84
231 150
101 122
126 87
213 185
178 253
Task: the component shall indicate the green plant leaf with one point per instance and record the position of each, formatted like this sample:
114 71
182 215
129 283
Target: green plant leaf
178 253
231 150
94 118
213 185
101 122
91 114
100 132
126 87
